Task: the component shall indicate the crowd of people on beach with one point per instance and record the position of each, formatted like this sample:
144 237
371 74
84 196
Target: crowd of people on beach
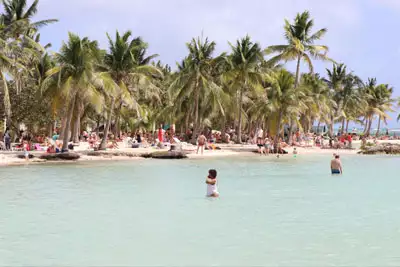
208 139
266 144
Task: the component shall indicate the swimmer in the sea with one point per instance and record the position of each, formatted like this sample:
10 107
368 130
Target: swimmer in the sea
336 165
211 181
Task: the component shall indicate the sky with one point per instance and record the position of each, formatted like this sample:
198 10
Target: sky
363 34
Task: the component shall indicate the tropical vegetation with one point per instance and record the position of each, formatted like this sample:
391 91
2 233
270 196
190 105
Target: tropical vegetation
121 88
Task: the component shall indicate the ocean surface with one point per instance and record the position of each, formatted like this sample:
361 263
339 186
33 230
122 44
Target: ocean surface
272 212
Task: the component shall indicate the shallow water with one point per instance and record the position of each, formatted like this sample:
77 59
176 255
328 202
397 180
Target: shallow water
286 212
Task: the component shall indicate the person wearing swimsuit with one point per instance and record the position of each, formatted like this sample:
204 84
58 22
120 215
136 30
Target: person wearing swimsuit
260 141
260 145
201 141
267 146
336 165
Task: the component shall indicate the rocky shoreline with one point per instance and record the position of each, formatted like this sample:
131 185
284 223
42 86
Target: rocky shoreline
384 148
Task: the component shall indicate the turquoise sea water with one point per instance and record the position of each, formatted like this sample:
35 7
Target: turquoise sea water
272 212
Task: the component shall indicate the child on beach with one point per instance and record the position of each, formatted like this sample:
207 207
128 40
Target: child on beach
211 181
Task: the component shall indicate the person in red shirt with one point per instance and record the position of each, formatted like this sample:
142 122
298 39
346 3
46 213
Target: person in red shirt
349 139
160 134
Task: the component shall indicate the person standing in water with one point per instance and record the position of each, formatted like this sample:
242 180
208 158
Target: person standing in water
201 142
336 165
211 181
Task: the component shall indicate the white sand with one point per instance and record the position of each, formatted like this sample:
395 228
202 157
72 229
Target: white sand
7 159
213 153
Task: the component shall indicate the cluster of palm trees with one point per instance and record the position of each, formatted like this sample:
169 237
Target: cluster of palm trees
124 88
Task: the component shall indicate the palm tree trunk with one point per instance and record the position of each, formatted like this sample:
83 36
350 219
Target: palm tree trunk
278 131
365 125
65 132
290 133
196 113
187 122
7 102
297 81
196 119
118 125
369 125
118 120
240 117
266 123
343 125
50 129
331 126
73 127
77 126
98 125
379 126
249 127
303 122
347 126
73 121
63 124
223 130
103 144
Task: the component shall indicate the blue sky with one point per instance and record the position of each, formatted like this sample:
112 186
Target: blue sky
363 34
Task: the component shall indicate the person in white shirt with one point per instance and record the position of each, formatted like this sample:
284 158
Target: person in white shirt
211 181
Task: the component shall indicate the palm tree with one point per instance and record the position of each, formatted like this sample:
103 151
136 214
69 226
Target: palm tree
18 51
16 56
398 104
351 99
285 99
385 104
379 99
6 64
336 80
75 73
244 73
345 94
195 78
300 44
18 16
317 99
127 64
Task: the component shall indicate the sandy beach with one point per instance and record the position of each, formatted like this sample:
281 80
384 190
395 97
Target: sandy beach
11 158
